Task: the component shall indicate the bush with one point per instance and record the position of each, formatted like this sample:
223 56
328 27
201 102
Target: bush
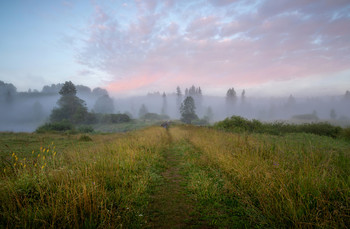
115 118
346 133
85 129
239 124
55 126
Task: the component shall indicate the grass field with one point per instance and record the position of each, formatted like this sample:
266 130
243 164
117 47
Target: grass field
184 177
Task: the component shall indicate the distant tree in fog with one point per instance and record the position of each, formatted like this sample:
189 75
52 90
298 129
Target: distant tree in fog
143 110
104 104
99 92
70 107
231 96
53 89
347 96
209 115
164 105
68 89
178 99
291 101
81 89
231 99
38 111
187 110
7 91
178 95
186 92
243 96
332 114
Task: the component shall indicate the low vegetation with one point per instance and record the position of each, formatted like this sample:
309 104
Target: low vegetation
239 124
55 180
298 180
241 178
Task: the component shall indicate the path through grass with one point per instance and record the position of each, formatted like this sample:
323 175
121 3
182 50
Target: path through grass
171 206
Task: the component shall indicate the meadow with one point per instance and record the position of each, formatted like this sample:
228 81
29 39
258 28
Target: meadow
223 179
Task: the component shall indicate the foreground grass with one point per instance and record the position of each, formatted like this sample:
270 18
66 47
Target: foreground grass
228 180
299 180
59 181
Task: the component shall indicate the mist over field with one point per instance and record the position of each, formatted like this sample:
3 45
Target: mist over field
25 111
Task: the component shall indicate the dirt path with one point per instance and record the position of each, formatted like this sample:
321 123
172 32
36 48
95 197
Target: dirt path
170 206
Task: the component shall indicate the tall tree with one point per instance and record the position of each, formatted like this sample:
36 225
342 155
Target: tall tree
347 96
164 105
332 114
104 104
70 107
178 98
143 111
231 98
187 110
209 116
243 96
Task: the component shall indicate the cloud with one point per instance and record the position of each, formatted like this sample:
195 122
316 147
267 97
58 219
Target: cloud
262 41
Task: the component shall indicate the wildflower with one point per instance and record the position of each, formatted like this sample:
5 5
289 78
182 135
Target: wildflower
24 159
39 155
41 148
54 153
33 152
14 164
13 154
51 143
48 150
35 165
24 165
43 157
4 170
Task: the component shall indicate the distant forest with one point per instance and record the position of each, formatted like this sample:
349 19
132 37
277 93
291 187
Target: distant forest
25 111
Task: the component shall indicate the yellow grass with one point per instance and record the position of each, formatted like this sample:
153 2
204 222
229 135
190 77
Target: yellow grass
105 184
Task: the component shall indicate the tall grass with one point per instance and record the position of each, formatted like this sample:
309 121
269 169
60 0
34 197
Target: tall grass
299 180
104 183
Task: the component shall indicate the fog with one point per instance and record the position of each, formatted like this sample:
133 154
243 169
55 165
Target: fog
25 111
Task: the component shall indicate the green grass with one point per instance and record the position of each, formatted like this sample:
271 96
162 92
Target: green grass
231 179
54 181
296 180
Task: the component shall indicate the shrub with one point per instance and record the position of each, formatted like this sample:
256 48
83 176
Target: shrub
115 118
239 124
85 129
346 133
55 126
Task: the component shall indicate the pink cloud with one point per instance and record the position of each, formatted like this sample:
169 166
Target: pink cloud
277 42
131 83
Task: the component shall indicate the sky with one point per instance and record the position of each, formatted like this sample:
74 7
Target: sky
275 48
